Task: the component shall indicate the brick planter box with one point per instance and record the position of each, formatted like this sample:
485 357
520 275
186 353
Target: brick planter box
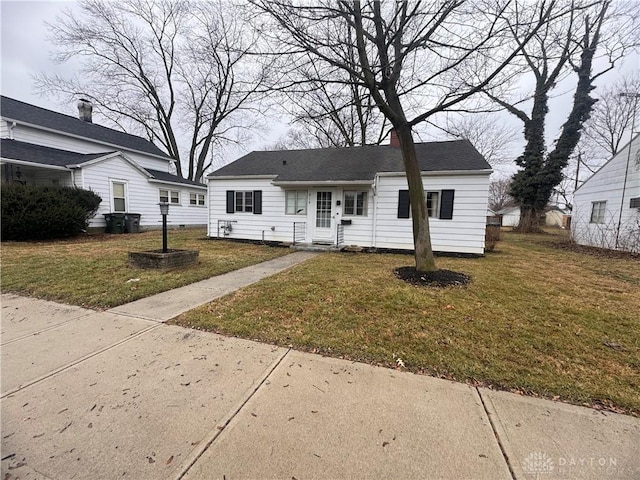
163 261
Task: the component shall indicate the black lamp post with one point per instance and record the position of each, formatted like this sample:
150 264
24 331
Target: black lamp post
164 211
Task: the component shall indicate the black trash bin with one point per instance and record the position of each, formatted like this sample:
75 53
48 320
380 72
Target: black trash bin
115 222
132 223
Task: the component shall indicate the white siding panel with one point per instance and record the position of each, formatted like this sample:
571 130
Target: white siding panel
606 185
4 129
463 234
271 225
142 196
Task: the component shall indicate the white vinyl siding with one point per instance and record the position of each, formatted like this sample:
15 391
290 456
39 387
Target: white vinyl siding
464 233
381 228
142 196
616 227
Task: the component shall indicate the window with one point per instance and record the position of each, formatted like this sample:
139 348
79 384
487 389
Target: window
597 212
433 204
119 190
250 202
196 199
170 196
439 204
355 203
244 202
296 202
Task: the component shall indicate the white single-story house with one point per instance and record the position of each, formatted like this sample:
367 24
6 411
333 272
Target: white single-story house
352 196
606 207
555 217
131 174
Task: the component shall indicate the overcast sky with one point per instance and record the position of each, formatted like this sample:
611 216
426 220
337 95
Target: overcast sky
26 52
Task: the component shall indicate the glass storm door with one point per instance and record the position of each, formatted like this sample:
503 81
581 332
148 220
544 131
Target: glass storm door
324 217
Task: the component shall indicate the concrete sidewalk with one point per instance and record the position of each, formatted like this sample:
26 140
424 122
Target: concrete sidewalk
119 394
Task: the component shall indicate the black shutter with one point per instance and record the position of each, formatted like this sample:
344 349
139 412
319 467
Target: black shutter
231 201
446 204
257 202
403 204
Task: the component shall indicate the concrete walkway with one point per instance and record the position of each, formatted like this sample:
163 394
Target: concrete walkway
119 394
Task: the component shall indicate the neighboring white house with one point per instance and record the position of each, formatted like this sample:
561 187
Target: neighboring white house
352 196
606 211
131 174
510 216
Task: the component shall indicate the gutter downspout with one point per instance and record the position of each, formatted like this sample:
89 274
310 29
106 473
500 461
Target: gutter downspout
11 127
375 211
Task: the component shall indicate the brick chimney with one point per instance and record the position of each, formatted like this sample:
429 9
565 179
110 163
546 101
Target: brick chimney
84 110
393 140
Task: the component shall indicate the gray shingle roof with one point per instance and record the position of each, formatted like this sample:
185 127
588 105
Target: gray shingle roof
168 177
28 152
354 163
18 111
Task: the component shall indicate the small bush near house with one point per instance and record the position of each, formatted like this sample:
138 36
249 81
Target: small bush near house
45 212
491 237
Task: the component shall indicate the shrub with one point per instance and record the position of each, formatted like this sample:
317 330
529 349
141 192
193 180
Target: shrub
45 212
491 237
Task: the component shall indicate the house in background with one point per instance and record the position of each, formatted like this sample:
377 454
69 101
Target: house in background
131 174
352 196
606 207
510 216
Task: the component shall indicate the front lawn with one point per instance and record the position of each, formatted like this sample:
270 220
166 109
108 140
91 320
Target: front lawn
92 271
535 319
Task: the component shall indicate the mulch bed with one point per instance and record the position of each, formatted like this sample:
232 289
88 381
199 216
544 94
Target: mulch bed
439 278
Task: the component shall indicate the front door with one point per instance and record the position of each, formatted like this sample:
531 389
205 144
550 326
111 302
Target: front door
324 218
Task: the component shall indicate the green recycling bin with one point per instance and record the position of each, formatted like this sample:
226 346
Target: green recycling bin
132 223
115 222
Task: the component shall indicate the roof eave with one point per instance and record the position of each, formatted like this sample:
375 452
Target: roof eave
487 171
177 184
280 183
34 164
60 132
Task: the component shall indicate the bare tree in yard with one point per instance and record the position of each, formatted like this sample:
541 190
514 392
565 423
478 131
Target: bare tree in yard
415 59
491 136
337 115
499 196
612 118
162 67
569 45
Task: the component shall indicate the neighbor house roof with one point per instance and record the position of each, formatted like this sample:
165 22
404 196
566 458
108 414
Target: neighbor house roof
30 153
47 156
353 163
25 113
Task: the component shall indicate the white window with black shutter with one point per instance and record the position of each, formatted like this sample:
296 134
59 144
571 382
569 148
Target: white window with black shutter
245 201
439 204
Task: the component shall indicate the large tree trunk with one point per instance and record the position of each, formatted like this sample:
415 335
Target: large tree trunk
425 261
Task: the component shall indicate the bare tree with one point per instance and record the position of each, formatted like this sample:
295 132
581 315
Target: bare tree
491 136
612 118
162 67
499 196
415 60
560 49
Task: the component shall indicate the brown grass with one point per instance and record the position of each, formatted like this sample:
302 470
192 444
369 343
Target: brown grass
534 319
